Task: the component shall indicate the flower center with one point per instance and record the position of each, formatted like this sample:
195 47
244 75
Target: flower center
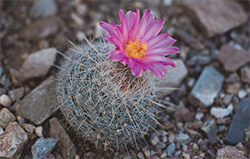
135 49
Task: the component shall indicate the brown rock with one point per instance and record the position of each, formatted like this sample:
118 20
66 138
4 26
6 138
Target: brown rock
43 28
40 103
6 117
5 100
215 17
12 141
65 144
245 74
232 58
233 88
223 121
37 64
16 94
230 152
192 133
183 115
29 129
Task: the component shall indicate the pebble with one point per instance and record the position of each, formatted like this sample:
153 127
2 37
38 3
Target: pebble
199 60
190 82
16 94
177 153
140 155
232 58
1 130
202 144
245 74
20 120
43 8
185 155
233 88
39 131
171 149
5 100
80 36
227 99
154 138
6 117
175 76
230 152
242 93
160 145
29 129
192 133
206 88
2 91
43 147
168 2
240 121
210 128
247 134
183 138
67 147
171 137
221 112
82 9
41 102
146 152
199 116
224 121
163 155
78 21
214 19
183 115
37 65
12 141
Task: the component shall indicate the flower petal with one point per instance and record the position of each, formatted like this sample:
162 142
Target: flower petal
114 41
116 55
164 51
124 28
147 18
137 70
153 29
161 40
135 26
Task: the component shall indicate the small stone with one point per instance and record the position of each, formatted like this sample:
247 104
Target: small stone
5 100
51 156
247 134
206 88
197 124
178 153
230 152
192 133
195 147
6 117
65 144
29 129
43 147
232 58
43 8
167 2
41 102
1 130
77 20
183 138
12 141
39 131
245 74
185 155
183 114
154 138
240 121
221 128
232 78
163 155
82 9
152 152
223 121
242 93
175 75
199 116
20 120
146 152
221 112
227 99
140 155
2 91
160 145
233 88
171 149
202 144
37 64
164 139
80 36
190 82
214 19
155 157
16 94
171 137
210 128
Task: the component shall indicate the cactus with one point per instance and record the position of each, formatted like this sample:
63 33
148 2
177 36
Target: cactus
103 101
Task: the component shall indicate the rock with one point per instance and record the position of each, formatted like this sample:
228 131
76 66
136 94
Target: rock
82 9
78 21
230 152
192 133
43 8
29 129
39 131
40 102
16 94
43 147
232 78
12 141
37 65
185 155
233 88
178 153
240 121
227 99
202 144
206 88
199 116
140 155
221 112
6 117
183 115
199 60
160 145
42 28
171 137
232 58
2 91
155 157
167 2
5 100
146 152
247 134
164 155
210 129
242 93
65 144
223 121
171 149
154 138
245 74
175 76
183 138
213 15
1 130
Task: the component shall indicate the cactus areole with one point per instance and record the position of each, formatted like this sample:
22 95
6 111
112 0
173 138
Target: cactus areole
139 44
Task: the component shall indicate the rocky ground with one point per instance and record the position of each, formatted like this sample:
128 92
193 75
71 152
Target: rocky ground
212 105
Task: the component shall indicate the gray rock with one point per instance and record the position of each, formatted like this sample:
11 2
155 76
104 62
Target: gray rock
171 149
178 153
213 15
242 93
140 155
43 8
43 147
210 129
175 75
37 65
42 28
6 117
40 102
65 144
12 141
202 144
160 145
227 99
230 152
5 100
1 130
245 74
199 60
240 121
154 138
167 2
206 88
183 138
232 58
16 94
82 9
221 112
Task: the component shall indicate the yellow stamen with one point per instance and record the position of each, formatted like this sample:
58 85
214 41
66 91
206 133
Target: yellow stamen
135 49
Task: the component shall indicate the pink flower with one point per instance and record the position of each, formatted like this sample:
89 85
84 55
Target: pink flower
139 44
